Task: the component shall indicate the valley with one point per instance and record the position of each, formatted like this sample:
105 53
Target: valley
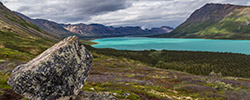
92 31
148 73
139 75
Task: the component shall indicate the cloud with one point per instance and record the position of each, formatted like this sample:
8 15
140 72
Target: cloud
146 13
65 10
150 13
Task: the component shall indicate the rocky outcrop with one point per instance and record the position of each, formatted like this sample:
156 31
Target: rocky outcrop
58 73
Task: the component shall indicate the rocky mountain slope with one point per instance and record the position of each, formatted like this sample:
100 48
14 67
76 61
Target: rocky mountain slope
19 38
91 30
13 23
102 30
215 21
48 26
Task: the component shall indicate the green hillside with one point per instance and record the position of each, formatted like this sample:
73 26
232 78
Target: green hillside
135 75
20 40
215 21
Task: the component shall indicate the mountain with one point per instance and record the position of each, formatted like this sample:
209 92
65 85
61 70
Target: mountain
102 30
91 30
48 26
216 21
162 29
20 40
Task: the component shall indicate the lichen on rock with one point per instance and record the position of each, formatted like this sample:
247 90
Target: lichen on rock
57 73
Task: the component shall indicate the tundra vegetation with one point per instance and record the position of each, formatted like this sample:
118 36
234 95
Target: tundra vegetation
161 74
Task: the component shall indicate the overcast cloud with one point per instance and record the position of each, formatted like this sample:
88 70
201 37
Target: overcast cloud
145 13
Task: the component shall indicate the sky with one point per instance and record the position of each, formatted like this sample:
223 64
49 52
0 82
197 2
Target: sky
144 13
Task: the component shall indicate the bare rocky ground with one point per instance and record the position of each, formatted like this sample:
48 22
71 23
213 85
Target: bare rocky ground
114 78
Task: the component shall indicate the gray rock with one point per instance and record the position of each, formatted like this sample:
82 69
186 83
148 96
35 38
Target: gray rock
56 74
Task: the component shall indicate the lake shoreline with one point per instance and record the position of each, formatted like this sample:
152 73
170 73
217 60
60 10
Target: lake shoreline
175 44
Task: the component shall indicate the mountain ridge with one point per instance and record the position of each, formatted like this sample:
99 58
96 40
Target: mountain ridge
99 29
92 30
215 21
21 40
48 26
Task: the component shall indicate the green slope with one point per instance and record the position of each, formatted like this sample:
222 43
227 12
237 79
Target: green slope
20 40
215 21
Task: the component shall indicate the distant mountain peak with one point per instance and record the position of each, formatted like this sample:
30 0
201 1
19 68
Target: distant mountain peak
102 30
96 24
48 26
92 30
167 27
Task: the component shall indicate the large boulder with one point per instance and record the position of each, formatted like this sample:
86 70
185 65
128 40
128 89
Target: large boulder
58 73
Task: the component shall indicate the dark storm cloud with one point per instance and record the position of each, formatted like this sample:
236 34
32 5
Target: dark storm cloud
65 10
147 13
100 6
155 13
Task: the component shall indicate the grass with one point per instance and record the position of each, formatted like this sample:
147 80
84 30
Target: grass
199 63
229 26
119 89
3 81
15 18
134 79
143 81
87 42
22 48
6 54
20 40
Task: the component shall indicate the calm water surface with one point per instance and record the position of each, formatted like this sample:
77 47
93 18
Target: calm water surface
143 43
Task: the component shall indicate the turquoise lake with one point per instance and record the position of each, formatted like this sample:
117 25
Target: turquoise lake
144 43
